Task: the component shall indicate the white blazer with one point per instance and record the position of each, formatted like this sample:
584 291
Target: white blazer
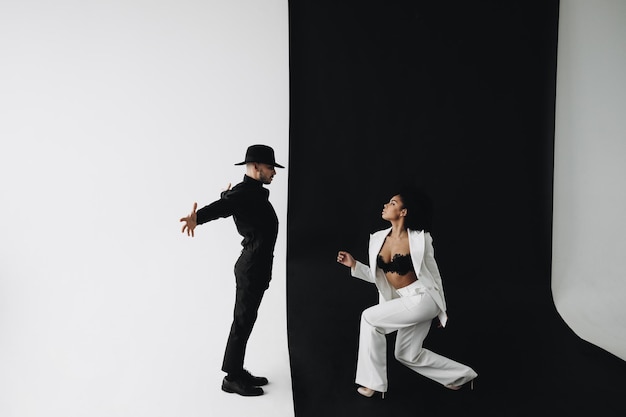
423 258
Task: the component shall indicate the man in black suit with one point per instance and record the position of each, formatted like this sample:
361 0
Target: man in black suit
256 221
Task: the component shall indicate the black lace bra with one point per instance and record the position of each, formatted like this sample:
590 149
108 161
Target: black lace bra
400 264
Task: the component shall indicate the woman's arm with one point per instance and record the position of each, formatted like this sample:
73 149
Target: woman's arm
357 269
362 271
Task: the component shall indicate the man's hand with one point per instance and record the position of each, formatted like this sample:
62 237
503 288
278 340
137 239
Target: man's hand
190 221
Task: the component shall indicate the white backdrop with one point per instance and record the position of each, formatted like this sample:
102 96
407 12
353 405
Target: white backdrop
115 116
589 245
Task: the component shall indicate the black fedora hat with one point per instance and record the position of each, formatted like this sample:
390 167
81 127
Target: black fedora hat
260 153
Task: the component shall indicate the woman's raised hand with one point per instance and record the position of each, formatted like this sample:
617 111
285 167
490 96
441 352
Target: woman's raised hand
346 259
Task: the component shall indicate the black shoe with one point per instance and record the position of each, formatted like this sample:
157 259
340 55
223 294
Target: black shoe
250 379
240 387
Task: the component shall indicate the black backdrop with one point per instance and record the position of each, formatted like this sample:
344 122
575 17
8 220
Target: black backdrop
457 97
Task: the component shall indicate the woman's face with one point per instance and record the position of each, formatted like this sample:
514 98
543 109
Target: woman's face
394 209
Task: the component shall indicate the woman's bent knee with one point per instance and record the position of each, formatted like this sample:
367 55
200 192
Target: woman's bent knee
369 321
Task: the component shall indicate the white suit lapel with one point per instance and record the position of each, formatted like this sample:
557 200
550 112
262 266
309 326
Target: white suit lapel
416 245
376 242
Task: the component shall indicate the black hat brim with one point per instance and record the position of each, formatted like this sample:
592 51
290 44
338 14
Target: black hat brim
268 163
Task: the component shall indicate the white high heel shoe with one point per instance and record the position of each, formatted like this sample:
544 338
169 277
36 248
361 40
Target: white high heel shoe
369 393
458 387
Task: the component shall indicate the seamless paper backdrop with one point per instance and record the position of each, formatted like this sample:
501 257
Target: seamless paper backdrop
459 97
589 171
114 118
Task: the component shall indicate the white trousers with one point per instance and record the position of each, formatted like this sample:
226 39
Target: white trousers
410 315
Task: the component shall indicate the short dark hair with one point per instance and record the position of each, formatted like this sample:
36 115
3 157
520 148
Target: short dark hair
419 208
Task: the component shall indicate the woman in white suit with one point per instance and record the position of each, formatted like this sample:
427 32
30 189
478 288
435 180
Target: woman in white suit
403 267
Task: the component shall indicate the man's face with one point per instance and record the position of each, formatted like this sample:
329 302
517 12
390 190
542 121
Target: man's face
266 173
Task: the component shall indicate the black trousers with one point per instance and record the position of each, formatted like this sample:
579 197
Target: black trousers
251 285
